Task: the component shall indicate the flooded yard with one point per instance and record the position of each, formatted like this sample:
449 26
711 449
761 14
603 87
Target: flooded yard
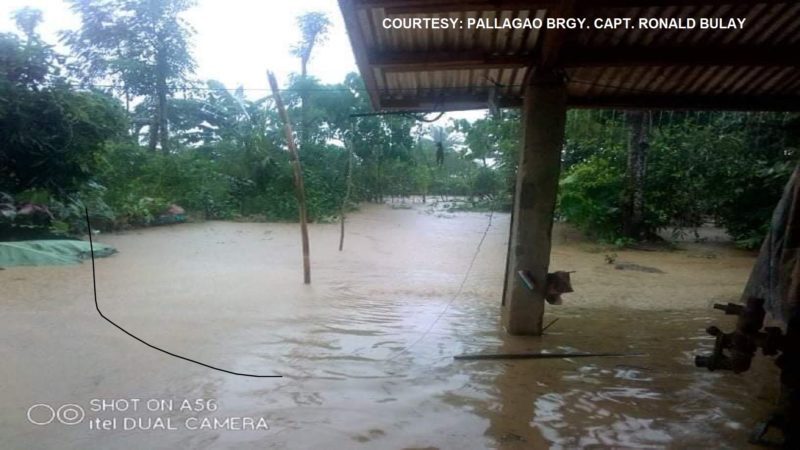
366 350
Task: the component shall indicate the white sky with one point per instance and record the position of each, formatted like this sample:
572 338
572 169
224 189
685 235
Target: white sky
236 40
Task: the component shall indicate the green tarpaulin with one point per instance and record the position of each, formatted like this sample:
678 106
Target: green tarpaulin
49 252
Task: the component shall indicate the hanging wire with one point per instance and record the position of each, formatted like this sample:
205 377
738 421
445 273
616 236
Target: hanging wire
423 119
153 346
759 128
452 300
587 121
188 88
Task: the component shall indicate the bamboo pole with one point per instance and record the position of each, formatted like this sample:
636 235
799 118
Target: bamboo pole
298 176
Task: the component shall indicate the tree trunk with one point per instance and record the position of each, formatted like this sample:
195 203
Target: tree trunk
152 142
380 177
304 103
298 177
163 129
161 107
633 219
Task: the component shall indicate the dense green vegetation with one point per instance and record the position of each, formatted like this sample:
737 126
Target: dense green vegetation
122 126
727 168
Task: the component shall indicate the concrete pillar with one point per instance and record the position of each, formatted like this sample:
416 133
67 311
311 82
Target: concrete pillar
544 116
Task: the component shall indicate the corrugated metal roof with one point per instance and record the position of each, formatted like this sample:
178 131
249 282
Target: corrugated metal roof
461 67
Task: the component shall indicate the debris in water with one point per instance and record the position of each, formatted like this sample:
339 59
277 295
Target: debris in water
636 267
539 355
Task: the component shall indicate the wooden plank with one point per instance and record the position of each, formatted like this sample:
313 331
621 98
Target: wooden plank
540 355
553 40
405 7
429 61
655 56
613 101
691 102
574 57
448 103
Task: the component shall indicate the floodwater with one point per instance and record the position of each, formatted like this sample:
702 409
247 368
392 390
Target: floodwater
366 350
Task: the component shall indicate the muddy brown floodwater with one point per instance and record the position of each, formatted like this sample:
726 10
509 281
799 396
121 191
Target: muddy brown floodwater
231 294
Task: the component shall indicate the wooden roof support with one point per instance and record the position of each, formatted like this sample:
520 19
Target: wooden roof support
553 39
706 73
405 7
574 56
357 41
428 61
460 102
690 102
543 118
621 101
590 57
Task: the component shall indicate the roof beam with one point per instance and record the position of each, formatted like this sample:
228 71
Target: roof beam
357 41
404 7
665 3
428 61
466 101
573 57
654 56
448 103
552 41
690 102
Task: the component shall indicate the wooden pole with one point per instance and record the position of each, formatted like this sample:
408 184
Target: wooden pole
544 117
349 143
300 190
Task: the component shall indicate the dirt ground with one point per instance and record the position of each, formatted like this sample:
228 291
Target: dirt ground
693 275
366 351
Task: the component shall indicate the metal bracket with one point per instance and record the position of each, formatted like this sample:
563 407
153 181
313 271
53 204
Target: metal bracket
557 283
734 351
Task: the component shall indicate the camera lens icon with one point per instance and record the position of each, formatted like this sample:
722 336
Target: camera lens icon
70 414
44 414
41 414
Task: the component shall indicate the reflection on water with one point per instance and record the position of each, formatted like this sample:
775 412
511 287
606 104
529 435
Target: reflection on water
230 294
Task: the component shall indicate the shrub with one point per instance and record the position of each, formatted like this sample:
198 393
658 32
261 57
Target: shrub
589 197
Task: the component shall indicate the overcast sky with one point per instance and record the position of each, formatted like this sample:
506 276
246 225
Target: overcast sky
236 40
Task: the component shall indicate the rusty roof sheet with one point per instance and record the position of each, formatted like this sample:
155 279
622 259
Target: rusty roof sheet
425 69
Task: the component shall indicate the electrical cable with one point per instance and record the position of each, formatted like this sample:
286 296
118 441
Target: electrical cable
97 307
423 119
385 89
453 299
